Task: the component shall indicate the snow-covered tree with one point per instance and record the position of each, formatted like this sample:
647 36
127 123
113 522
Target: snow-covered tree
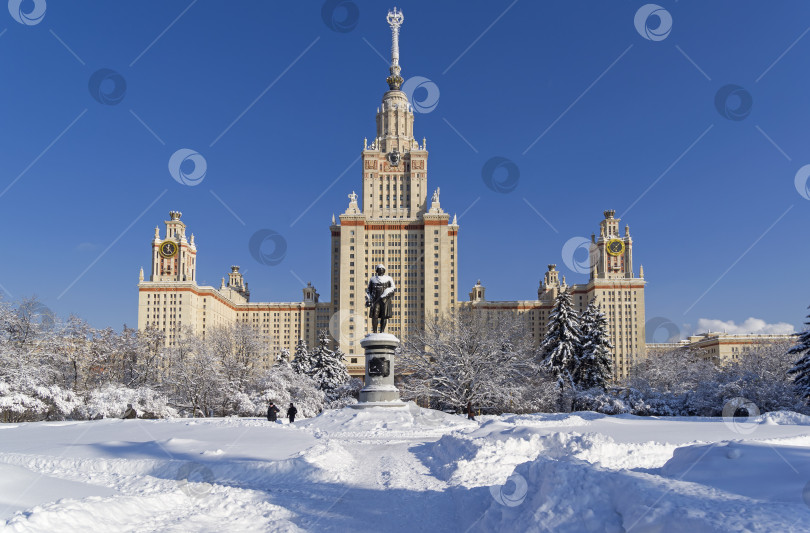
31 363
595 361
151 348
76 335
302 361
243 354
327 367
283 357
562 344
801 369
194 376
762 372
125 368
104 356
468 355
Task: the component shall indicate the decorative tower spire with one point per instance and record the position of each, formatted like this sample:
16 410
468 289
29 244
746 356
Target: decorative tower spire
394 19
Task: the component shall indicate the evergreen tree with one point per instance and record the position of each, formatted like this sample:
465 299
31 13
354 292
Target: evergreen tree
562 343
801 369
303 358
327 367
283 357
594 368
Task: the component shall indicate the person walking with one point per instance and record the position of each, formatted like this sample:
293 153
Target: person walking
470 412
272 412
291 412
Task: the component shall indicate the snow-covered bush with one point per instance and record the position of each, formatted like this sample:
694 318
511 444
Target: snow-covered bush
241 404
17 406
61 403
759 376
27 400
111 402
345 394
283 385
537 392
600 401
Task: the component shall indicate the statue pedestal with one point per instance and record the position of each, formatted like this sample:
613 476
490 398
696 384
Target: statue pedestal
379 390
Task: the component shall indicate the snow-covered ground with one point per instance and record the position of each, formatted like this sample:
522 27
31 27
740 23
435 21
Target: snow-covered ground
408 470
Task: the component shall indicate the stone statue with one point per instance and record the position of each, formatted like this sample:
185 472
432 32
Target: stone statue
436 195
379 293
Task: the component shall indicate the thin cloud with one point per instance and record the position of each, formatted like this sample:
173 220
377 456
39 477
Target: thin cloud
85 247
750 325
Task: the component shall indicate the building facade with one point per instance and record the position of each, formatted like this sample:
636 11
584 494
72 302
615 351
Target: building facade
613 286
724 348
397 221
171 299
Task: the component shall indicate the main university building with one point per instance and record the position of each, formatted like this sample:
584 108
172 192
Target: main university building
399 222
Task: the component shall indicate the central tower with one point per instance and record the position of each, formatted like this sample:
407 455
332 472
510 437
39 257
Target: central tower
396 222
394 166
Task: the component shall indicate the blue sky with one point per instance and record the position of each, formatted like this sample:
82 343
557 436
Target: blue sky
592 114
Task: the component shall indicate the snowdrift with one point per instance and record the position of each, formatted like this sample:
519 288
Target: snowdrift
408 469
386 422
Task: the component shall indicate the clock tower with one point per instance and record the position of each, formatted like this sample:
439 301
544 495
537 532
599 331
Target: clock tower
611 253
174 258
617 291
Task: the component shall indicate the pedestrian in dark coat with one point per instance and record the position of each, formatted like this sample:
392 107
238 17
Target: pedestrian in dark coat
272 412
291 412
470 412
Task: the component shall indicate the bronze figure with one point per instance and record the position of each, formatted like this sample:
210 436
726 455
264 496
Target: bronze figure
379 294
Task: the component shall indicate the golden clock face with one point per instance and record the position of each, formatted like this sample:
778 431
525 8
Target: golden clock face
168 249
615 247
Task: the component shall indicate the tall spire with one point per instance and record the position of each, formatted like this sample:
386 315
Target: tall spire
394 19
